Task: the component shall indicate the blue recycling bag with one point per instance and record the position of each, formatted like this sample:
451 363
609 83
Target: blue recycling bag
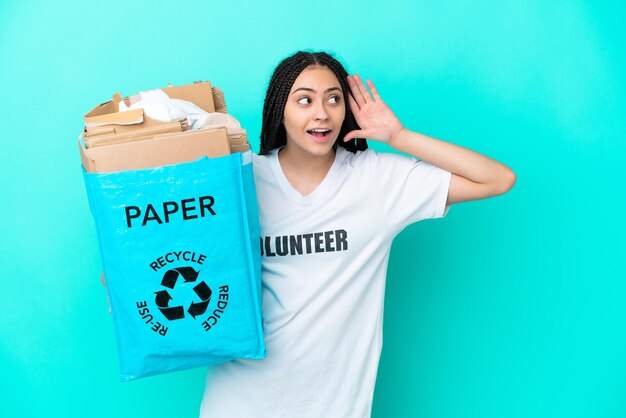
180 250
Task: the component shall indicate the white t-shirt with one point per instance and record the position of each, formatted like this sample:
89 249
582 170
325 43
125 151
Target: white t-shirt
324 263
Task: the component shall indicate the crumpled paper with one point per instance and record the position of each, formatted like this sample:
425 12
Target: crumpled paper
158 105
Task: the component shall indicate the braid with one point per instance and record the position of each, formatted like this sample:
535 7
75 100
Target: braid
273 134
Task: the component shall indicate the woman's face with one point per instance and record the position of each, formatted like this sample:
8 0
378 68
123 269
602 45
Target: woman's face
314 111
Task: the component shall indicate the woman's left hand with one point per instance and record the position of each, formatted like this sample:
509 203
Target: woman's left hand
376 120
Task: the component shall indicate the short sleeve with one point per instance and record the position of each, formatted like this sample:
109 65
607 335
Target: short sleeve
409 190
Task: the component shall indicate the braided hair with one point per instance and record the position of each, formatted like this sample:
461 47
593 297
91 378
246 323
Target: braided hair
273 134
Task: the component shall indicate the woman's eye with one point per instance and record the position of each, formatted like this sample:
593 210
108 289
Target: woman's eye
304 100
333 99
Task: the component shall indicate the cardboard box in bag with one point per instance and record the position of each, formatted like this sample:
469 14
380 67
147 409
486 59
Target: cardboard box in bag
158 151
201 94
118 141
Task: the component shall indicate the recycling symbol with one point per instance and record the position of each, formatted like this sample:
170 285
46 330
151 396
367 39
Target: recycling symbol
163 298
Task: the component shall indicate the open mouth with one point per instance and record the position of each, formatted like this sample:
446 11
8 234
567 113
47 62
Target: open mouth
319 133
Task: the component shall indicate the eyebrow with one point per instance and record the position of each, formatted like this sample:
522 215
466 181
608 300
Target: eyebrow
314 91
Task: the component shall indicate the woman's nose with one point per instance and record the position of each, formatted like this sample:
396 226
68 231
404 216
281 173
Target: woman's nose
320 112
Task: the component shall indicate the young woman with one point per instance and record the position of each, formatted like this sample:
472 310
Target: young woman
329 209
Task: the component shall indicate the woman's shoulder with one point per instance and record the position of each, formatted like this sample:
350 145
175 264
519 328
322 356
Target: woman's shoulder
262 166
371 157
354 158
262 159
386 158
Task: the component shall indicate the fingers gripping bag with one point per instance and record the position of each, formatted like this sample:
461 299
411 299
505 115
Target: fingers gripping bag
180 250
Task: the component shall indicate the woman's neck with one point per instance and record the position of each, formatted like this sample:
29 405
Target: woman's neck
304 171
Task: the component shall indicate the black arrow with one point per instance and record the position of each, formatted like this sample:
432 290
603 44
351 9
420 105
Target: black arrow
169 278
162 298
199 308
203 290
173 313
162 301
188 273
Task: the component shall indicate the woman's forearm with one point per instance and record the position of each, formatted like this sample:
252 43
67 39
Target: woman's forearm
454 158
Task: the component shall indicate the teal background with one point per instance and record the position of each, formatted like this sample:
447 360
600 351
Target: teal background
508 307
